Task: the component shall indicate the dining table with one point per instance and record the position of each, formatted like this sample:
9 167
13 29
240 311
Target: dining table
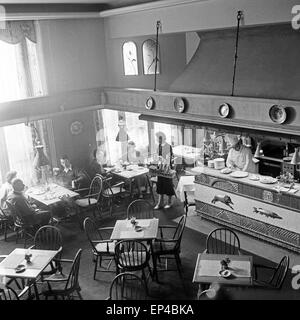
49 195
124 230
129 173
208 270
30 271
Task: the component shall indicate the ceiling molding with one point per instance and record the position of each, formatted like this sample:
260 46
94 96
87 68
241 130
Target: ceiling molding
146 6
49 16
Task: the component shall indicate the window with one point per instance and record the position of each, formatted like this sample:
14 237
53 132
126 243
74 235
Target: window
149 57
130 59
19 78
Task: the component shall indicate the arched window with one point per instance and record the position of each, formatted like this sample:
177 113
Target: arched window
149 55
130 59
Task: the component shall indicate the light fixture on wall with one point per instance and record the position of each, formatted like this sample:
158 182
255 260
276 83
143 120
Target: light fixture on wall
41 162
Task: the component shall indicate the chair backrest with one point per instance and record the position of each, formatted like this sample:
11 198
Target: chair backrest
280 273
127 286
96 187
72 282
15 214
91 231
223 241
131 255
141 209
179 231
48 238
8 294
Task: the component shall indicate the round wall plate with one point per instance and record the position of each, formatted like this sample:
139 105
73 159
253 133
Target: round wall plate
150 103
76 127
179 104
277 114
224 110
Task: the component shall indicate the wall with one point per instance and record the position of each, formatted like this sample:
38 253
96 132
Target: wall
200 15
77 147
173 61
74 53
74 58
266 65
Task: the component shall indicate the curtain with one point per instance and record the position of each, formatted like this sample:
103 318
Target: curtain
16 32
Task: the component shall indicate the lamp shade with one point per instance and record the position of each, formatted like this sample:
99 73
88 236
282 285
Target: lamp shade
40 158
295 158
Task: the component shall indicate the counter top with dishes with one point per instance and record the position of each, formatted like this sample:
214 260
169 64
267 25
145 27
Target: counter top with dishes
256 186
255 204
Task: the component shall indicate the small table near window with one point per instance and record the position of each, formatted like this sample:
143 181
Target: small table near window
39 261
208 267
131 172
50 195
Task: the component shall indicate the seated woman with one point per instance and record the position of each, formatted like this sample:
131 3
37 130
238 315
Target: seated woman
6 189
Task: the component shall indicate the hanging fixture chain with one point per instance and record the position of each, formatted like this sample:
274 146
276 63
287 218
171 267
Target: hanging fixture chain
239 17
158 28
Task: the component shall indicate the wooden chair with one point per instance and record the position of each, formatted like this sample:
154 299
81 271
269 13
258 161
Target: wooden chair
103 249
91 200
21 227
141 209
132 255
189 200
278 274
112 195
49 238
127 286
64 286
8 293
222 241
5 222
169 246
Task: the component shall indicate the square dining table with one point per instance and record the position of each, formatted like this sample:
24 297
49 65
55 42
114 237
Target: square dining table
39 261
208 267
131 172
124 230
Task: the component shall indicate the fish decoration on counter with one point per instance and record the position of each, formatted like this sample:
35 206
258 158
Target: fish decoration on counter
267 213
224 199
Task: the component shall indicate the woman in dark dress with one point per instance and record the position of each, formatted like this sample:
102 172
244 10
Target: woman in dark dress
164 186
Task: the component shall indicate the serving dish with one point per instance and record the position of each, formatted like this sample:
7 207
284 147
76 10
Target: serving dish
226 170
254 177
267 180
277 114
239 174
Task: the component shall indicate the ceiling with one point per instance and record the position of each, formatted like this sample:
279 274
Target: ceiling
107 4
23 6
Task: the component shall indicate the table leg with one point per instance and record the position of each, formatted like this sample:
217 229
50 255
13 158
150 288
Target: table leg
151 188
36 292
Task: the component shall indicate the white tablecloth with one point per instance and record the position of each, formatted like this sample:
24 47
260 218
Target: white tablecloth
185 184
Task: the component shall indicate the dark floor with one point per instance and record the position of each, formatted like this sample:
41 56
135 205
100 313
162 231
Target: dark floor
171 286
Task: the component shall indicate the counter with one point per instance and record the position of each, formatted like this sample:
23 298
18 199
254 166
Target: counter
249 206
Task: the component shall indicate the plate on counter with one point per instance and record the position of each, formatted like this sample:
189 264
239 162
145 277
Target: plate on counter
254 177
226 170
239 174
267 180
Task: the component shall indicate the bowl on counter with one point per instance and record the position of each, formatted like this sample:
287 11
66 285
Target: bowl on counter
219 163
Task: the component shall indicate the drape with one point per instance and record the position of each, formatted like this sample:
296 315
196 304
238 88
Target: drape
16 32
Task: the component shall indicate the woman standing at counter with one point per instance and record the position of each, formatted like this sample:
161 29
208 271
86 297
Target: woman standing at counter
239 156
164 185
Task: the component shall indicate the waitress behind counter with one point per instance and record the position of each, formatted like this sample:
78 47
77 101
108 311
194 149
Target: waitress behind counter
239 156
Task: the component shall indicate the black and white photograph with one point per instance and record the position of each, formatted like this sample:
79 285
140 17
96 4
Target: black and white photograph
149 151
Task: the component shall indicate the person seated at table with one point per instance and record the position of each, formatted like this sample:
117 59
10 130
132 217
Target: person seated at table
72 177
6 189
95 166
29 213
